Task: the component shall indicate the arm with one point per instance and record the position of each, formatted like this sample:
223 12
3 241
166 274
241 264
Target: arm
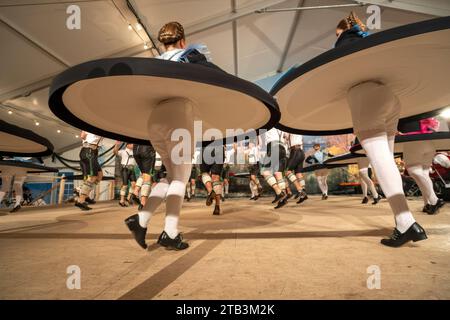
116 148
83 135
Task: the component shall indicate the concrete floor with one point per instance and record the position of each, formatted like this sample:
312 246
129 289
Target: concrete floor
319 250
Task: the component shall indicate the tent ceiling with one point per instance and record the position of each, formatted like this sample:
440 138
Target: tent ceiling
36 45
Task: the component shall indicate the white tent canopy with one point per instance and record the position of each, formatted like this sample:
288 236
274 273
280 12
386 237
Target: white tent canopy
37 45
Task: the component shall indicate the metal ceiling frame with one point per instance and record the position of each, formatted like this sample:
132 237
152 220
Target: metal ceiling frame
290 37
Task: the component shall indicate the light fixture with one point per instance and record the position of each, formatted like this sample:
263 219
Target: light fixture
10 112
445 113
130 27
59 131
35 102
77 136
145 46
36 123
138 26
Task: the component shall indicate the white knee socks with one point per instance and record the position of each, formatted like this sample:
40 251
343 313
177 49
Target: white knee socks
424 182
380 156
363 186
154 201
175 196
364 174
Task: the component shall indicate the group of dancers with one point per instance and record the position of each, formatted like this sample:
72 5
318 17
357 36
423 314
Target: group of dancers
375 127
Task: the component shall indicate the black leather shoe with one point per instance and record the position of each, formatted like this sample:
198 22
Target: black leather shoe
135 199
172 244
433 209
210 198
425 208
298 194
288 196
302 198
365 200
138 232
278 197
83 206
252 198
16 208
216 210
256 197
376 200
281 203
324 197
397 239
140 207
90 201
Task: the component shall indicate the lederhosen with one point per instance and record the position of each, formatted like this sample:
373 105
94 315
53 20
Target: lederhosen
272 147
89 159
144 157
296 159
217 165
128 173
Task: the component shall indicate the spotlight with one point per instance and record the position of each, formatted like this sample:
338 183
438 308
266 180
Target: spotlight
145 46
138 26
130 27
59 131
36 123
77 136
10 112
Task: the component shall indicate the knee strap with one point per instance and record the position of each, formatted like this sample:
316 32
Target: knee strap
271 180
217 187
86 187
291 176
145 189
139 182
123 190
206 178
282 183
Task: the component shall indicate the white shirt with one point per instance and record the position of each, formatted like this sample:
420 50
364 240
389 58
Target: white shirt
126 157
172 55
92 138
253 155
273 135
196 157
230 157
158 161
295 139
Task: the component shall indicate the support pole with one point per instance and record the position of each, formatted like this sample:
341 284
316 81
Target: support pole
62 185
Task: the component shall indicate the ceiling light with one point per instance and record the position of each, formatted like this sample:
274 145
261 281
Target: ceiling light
130 27
36 123
10 112
35 102
145 46
77 136
445 113
59 131
138 26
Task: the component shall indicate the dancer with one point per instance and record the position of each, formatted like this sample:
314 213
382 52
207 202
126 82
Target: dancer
92 172
318 157
366 181
253 156
375 114
418 156
273 165
210 169
171 188
191 185
295 165
144 156
14 176
127 170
